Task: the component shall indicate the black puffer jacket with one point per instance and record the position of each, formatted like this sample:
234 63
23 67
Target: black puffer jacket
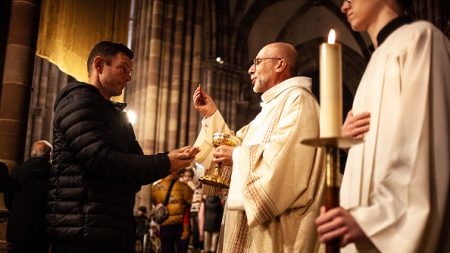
98 166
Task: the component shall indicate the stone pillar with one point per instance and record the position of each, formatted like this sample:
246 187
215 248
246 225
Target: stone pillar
17 79
5 11
16 87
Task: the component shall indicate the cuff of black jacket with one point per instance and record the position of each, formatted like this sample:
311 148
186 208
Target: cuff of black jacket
163 159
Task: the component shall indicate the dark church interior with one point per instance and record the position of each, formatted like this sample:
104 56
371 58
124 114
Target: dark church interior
178 45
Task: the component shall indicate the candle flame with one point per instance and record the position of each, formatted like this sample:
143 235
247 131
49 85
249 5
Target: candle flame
332 36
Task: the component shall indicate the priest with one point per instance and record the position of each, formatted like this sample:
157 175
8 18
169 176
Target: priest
276 182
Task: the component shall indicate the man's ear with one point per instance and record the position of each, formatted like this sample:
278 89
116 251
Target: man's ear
98 64
281 65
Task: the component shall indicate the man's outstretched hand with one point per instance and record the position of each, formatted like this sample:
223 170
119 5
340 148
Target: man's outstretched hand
182 157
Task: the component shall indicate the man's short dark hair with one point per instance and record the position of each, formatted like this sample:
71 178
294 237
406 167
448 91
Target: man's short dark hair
108 50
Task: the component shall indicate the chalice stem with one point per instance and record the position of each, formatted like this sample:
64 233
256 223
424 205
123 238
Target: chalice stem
216 170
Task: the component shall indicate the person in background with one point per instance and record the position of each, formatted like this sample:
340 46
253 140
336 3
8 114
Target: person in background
187 177
26 229
212 209
174 231
394 193
6 183
142 227
155 242
191 179
98 165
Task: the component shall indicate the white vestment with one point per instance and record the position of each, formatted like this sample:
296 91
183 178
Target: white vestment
396 182
281 180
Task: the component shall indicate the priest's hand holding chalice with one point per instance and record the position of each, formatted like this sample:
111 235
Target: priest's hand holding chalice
224 143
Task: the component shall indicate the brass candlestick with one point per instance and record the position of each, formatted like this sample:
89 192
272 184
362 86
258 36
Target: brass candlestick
332 168
217 179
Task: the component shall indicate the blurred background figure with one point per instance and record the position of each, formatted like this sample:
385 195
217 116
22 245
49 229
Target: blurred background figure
155 242
142 230
211 210
27 206
190 177
6 184
174 231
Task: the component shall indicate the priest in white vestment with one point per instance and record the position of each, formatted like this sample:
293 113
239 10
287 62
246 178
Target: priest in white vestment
276 182
394 194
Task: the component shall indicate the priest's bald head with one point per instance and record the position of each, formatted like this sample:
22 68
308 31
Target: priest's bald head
274 63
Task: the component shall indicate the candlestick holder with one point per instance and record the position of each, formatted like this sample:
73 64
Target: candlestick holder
216 179
332 167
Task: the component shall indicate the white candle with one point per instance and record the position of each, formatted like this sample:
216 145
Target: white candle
330 87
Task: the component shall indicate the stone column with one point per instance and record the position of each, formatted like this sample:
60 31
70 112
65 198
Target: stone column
5 11
17 79
16 87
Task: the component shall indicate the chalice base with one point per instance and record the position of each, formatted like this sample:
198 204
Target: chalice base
214 181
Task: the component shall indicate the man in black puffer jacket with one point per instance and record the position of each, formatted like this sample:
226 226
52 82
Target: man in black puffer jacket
98 165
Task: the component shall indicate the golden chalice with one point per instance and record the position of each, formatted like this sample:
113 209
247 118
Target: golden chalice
217 178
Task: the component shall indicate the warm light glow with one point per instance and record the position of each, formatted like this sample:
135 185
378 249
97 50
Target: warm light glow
332 36
219 60
132 117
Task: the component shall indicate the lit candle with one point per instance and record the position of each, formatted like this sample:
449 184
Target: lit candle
330 87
